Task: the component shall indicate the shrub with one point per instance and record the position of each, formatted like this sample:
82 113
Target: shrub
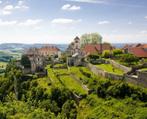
129 58
116 52
106 54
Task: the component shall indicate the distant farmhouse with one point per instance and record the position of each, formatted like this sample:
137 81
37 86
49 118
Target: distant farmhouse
139 50
38 57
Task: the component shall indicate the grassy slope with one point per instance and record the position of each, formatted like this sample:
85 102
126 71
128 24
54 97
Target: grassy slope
91 107
110 68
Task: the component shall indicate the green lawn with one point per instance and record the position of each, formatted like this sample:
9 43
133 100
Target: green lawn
110 68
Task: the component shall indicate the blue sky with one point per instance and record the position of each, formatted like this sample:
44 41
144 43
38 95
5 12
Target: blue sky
59 21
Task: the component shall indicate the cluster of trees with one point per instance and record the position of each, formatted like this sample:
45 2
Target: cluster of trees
119 89
127 59
58 103
93 38
114 53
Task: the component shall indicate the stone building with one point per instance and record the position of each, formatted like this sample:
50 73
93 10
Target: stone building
74 53
74 47
38 56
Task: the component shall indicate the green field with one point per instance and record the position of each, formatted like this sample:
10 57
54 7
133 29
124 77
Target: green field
110 68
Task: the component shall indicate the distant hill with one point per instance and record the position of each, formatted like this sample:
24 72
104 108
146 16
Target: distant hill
20 47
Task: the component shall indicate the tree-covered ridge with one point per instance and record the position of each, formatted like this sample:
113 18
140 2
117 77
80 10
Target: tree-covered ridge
53 96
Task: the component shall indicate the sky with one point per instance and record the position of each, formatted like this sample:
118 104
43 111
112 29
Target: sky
59 21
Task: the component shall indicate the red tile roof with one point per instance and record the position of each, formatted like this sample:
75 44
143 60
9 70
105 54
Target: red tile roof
92 49
144 46
138 52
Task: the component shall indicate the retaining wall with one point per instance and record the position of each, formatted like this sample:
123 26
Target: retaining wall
141 79
122 67
99 71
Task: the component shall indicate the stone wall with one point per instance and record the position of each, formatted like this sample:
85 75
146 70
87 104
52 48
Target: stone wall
122 67
99 71
141 79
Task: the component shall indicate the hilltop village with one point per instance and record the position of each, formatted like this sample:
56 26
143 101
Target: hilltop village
91 79
90 51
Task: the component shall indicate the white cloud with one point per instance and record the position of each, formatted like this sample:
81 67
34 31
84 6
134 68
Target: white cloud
7 23
70 7
90 1
27 23
30 22
103 22
65 21
9 9
0 2
145 17
4 12
21 5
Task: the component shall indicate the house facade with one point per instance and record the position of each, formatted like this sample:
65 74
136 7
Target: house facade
38 56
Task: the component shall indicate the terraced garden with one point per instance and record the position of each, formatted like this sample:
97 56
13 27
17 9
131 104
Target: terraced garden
77 79
62 77
110 68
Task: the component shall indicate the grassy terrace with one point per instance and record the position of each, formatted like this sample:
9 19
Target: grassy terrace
110 68
72 84
53 77
143 69
90 81
62 77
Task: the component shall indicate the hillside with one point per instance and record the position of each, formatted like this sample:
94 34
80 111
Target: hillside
74 93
